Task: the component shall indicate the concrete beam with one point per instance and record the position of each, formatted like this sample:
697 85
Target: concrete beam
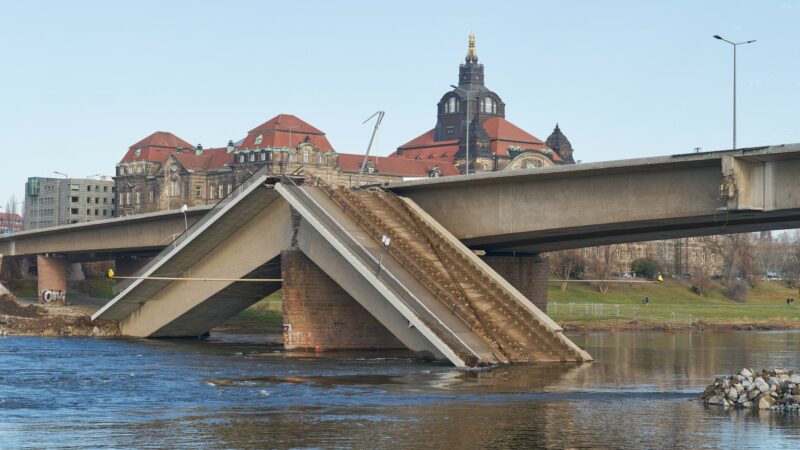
151 231
621 201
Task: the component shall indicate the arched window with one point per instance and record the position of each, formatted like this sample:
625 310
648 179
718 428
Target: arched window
450 106
489 106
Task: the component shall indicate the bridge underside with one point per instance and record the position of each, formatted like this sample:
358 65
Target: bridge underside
616 202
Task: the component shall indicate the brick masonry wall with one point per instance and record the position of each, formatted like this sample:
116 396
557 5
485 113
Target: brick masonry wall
52 274
319 315
526 273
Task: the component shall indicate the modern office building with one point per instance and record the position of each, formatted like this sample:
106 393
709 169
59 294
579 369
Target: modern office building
59 201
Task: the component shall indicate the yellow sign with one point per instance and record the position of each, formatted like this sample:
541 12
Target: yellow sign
660 279
110 273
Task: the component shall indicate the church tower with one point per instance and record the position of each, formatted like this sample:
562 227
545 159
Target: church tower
469 102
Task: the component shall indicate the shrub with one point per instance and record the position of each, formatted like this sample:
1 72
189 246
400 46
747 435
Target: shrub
737 290
645 267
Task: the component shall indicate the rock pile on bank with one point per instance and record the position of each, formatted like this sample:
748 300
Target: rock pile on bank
775 389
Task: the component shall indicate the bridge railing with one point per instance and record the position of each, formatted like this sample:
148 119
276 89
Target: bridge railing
257 177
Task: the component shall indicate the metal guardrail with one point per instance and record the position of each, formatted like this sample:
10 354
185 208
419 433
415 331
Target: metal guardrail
627 312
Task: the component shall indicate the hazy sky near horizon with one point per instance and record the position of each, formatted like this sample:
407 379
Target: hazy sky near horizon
83 80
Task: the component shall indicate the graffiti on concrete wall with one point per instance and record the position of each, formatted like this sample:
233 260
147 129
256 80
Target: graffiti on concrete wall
50 296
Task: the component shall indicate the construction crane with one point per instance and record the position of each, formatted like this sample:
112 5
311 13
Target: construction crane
380 115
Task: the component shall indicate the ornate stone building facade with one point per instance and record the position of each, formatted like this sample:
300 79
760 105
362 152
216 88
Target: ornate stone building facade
471 123
163 171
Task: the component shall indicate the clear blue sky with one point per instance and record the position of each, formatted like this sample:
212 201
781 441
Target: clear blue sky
81 81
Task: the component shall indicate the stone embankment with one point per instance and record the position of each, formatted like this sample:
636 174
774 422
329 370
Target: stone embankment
775 389
17 319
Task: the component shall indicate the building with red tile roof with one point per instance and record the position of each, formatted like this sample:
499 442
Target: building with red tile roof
10 223
471 124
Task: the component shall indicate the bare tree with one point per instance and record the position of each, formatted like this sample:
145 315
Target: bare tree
736 251
602 265
11 205
565 264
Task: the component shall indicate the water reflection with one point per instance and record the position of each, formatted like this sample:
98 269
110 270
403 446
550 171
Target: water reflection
640 392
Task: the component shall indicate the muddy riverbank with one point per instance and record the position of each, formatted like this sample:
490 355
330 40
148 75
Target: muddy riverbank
52 319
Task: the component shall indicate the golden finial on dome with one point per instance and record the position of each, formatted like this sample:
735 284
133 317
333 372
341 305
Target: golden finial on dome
472 55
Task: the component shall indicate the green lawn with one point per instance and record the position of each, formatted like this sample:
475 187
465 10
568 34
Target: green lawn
672 301
266 313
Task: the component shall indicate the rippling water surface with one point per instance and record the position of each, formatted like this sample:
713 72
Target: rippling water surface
221 393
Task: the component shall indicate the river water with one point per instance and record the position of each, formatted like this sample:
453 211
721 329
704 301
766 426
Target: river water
224 393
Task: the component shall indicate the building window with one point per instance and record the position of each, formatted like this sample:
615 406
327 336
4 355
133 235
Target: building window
241 158
264 156
694 255
138 169
305 155
221 191
321 158
252 157
74 199
97 200
151 196
174 188
73 211
96 212
105 188
198 191
138 197
703 256
230 188
211 192
259 138
450 105
127 198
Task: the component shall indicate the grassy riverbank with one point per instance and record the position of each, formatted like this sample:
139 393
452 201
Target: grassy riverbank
672 304
263 317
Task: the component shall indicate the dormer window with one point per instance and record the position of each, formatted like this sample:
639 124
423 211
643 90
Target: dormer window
259 138
137 153
450 105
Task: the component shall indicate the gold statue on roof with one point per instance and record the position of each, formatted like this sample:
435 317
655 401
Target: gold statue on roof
472 55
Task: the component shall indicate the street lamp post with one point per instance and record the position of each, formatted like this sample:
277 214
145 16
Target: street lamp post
469 119
734 44
61 173
290 131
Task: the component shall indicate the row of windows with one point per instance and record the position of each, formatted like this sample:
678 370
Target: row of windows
487 105
97 212
77 187
213 191
660 254
76 199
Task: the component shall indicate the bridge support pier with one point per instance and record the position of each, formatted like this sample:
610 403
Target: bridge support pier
52 279
527 273
319 315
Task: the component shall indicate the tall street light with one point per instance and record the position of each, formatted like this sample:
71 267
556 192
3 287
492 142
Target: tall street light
290 130
734 44
469 119
61 173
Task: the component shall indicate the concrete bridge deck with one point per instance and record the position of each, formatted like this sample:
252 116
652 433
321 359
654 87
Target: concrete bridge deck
635 200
